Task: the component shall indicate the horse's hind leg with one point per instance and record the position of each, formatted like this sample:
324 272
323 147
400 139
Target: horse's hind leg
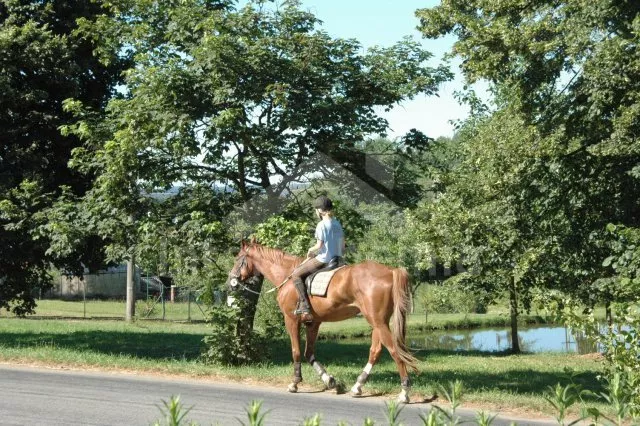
374 355
309 354
387 340
293 328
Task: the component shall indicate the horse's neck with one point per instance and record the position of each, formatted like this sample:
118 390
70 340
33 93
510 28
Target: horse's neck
276 272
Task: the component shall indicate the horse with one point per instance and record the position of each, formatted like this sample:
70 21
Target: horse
375 290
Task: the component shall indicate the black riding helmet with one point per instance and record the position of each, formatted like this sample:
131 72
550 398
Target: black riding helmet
323 203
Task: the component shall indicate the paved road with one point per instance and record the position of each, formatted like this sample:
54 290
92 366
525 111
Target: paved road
36 396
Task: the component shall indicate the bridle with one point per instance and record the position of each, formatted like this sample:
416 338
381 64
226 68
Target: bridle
235 280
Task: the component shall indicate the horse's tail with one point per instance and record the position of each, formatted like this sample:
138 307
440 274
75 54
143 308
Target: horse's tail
401 301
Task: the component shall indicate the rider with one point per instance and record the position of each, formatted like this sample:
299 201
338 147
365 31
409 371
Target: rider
329 244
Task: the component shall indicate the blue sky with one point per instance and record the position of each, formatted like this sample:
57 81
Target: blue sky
383 22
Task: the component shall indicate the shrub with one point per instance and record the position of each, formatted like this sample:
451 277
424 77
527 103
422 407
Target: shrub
269 318
228 343
450 299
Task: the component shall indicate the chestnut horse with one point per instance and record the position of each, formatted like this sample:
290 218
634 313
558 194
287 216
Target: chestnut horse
377 291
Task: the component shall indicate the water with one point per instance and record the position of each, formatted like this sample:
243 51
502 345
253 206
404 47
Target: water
532 339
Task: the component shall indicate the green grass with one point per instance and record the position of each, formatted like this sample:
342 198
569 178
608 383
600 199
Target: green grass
496 381
113 309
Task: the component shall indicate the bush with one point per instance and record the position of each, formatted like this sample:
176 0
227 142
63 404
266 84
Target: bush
450 299
269 318
228 343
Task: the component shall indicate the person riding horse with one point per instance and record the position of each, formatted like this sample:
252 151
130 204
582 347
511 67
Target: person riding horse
329 244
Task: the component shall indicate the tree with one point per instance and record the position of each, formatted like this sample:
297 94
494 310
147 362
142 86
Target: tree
246 97
568 71
236 98
475 218
44 61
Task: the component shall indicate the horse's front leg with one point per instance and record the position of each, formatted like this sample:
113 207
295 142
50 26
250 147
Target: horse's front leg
309 354
293 328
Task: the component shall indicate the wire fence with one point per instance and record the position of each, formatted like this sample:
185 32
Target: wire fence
102 296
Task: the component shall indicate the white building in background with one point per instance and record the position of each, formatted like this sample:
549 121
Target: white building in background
108 284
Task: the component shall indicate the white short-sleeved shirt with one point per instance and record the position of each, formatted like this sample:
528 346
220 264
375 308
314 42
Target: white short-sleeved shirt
330 232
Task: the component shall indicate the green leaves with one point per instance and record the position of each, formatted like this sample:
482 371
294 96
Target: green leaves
291 236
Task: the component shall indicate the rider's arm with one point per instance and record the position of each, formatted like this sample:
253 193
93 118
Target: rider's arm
313 250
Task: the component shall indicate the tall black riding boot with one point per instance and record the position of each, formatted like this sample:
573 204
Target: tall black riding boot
305 307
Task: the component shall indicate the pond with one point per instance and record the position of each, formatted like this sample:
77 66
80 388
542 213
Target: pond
532 339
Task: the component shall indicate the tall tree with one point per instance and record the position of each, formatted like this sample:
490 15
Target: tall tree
475 218
242 98
44 61
247 96
569 72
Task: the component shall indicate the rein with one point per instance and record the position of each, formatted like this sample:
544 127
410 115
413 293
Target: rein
248 289
243 261
287 279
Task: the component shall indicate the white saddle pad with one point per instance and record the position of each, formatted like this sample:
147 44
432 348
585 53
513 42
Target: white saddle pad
320 283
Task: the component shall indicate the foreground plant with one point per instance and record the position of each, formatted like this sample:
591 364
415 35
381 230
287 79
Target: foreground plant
256 418
314 420
174 413
561 398
620 395
393 410
439 416
485 419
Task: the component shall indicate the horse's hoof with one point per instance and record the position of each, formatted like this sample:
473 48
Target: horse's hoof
403 398
356 390
331 383
293 388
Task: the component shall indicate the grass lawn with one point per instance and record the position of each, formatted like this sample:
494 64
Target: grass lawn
495 381
114 309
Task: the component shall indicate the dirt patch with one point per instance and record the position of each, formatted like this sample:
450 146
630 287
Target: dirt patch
596 356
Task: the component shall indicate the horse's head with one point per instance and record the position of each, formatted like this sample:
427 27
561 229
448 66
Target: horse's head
243 268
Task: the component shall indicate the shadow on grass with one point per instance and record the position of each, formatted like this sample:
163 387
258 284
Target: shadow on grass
349 356
157 346
521 380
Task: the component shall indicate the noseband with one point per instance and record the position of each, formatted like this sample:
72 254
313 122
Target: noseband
235 274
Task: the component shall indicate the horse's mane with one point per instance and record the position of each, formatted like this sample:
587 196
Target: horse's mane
275 255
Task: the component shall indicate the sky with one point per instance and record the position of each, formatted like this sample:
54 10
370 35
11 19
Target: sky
382 23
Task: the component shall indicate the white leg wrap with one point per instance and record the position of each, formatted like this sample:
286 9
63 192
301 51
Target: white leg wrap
403 398
325 378
362 379
319 368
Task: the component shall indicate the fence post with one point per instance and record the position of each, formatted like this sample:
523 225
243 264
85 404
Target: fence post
84 297
163 307
189 305
131 290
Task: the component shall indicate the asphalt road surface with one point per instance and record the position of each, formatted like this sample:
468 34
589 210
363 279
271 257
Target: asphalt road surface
37 396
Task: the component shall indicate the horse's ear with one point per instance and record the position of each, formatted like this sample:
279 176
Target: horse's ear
243 243
253 239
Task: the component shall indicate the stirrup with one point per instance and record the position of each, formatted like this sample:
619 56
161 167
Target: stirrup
307 317
304 313
301 308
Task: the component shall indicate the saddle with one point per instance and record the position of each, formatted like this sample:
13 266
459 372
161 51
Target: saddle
318 282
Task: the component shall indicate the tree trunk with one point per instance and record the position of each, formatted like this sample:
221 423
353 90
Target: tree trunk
131 284
608 316
513 306
249 305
